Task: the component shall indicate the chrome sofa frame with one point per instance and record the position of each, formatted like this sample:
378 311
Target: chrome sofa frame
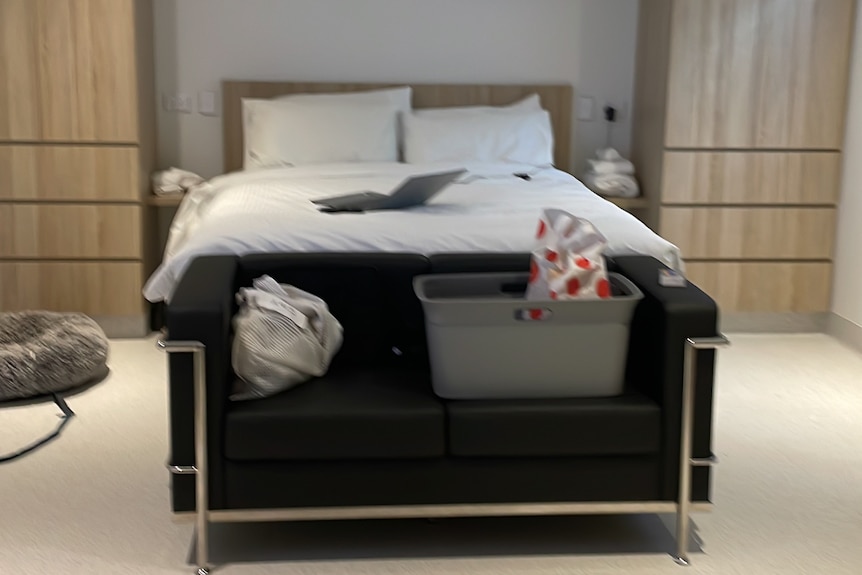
683 507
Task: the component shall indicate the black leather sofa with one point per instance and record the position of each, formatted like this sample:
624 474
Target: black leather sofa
372 432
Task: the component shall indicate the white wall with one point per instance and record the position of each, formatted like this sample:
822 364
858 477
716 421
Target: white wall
847 300
587 43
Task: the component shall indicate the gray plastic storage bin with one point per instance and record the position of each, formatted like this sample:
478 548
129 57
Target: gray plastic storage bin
485 343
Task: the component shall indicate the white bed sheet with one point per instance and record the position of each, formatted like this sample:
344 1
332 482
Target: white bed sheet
488 210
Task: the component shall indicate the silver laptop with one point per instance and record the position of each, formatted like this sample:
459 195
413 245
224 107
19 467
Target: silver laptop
414 191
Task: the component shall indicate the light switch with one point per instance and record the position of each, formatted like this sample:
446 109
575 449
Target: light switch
586 108
185 103
207 103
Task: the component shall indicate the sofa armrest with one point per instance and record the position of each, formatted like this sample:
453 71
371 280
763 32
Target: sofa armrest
200 309
662 322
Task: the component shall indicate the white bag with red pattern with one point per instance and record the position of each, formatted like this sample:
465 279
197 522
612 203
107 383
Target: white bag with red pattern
567 261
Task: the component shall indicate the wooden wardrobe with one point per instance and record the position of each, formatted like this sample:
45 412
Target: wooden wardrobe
739 124
76 151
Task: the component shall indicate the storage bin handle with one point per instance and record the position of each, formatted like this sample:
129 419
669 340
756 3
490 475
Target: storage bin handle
533 314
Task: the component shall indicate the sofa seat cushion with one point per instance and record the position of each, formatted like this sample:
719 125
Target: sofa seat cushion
625 425
358 413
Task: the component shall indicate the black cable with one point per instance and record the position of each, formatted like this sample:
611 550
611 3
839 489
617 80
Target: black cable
67 416
610 119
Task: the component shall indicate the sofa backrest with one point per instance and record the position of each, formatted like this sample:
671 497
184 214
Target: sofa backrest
479 263
370 294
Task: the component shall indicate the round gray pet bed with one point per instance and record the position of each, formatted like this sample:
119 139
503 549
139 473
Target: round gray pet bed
47 355
47 352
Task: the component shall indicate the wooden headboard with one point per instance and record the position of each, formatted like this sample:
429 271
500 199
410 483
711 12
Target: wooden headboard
557 99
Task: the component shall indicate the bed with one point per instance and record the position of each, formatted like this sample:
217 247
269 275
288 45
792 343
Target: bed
493 208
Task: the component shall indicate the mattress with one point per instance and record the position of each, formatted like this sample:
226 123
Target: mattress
488 210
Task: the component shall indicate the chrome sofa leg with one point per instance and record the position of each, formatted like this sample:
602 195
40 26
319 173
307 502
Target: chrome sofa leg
686 462
200 469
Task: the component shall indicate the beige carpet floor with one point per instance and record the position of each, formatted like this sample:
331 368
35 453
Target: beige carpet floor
788 490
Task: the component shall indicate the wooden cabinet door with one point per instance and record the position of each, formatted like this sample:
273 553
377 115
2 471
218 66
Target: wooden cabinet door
19 71
71 70
758 73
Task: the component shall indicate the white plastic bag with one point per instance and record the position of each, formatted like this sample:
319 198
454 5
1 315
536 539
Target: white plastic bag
283 336
567 261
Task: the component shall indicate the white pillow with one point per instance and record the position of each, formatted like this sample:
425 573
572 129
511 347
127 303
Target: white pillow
295 133
531 103
521 138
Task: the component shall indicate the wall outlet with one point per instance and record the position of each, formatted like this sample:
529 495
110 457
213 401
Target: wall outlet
185 103
177 103
622 110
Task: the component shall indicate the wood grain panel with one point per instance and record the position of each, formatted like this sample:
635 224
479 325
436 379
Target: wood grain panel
58 86
759 73
764 287
69 231
94 288
20 117
152 250
650 110
750 233
87 88
68 70
69 173
557 99
109 29
751 178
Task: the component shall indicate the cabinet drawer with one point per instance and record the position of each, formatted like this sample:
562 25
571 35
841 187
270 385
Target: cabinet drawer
94 288
765 287
69 231
69 173
750 233
751 178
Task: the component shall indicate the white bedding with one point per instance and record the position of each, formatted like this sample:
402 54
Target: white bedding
489 210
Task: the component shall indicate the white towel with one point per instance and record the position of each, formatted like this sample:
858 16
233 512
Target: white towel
168 190
617 185
624 167
609 155
174 182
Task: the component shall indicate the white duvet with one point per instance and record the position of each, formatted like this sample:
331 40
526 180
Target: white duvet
488 210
